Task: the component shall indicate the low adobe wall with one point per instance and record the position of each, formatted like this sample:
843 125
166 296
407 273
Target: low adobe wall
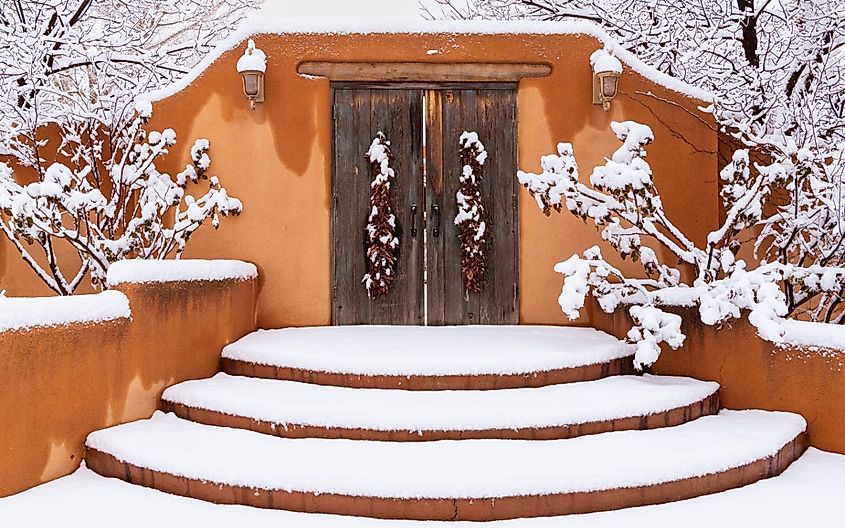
62 382
754 373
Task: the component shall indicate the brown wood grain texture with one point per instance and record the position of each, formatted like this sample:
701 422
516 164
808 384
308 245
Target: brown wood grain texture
359 114
361 111
492 114
419 71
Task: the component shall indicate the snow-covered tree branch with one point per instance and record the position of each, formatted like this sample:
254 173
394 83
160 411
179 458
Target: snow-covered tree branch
70 72
624 204
776 68
131 211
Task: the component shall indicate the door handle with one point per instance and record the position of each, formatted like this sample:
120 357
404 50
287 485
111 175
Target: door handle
436 221
414 221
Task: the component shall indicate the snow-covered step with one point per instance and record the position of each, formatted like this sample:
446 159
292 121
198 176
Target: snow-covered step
450 480
302 410
429 358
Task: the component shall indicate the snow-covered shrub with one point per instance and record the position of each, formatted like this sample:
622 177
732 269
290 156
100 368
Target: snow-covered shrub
624 204
127 209
471 220
382 240
71 71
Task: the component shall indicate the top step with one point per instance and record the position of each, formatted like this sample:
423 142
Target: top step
430 358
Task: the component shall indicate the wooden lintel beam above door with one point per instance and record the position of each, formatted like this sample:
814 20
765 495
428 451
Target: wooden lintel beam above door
423 71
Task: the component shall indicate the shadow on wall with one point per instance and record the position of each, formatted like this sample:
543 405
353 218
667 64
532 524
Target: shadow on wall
63 382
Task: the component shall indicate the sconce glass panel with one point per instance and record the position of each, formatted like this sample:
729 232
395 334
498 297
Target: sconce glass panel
608 86
251 84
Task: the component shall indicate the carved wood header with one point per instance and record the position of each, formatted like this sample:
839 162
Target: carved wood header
423 71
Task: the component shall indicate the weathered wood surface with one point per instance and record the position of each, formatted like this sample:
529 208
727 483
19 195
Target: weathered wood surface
423 71
359 114
361 111
492 114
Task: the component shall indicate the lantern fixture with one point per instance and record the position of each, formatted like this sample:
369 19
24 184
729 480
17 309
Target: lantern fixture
251 66
606 72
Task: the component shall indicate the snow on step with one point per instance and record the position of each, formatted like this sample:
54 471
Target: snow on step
450 469
286 402
428 351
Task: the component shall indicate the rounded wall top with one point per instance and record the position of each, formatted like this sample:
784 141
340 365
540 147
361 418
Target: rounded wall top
425 27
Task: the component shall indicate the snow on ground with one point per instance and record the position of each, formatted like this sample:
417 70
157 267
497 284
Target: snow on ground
809 493
450 468
18 313
143 271
429 350
287 402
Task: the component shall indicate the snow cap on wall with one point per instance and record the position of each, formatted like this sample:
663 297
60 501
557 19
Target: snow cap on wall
21 313
272 26
140 271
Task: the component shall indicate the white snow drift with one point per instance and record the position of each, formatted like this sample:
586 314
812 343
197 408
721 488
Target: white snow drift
287 402
429 351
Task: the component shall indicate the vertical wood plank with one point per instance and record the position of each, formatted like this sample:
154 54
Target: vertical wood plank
492 114
359 114
434 198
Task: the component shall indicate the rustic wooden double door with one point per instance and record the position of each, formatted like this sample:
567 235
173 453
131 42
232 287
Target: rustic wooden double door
423 124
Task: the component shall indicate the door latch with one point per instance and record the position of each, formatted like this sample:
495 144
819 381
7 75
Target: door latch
414 221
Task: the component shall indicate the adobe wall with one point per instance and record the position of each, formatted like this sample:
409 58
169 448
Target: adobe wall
753 373
62 382
277 159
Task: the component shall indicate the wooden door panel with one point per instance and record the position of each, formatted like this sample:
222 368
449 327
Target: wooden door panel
492 114
359 114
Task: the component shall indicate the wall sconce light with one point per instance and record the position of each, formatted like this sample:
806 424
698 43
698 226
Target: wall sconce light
252 65
606 72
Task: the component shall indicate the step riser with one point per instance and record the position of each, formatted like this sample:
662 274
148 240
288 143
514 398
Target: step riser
671 418
451 509
616 367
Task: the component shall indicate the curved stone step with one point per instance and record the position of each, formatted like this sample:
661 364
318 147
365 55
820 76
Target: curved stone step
430 358
300 410
474 480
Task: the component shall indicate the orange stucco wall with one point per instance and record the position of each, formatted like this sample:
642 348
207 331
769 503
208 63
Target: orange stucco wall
61 383
755 374
277 159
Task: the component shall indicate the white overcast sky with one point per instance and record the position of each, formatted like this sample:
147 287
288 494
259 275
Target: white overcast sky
342 9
